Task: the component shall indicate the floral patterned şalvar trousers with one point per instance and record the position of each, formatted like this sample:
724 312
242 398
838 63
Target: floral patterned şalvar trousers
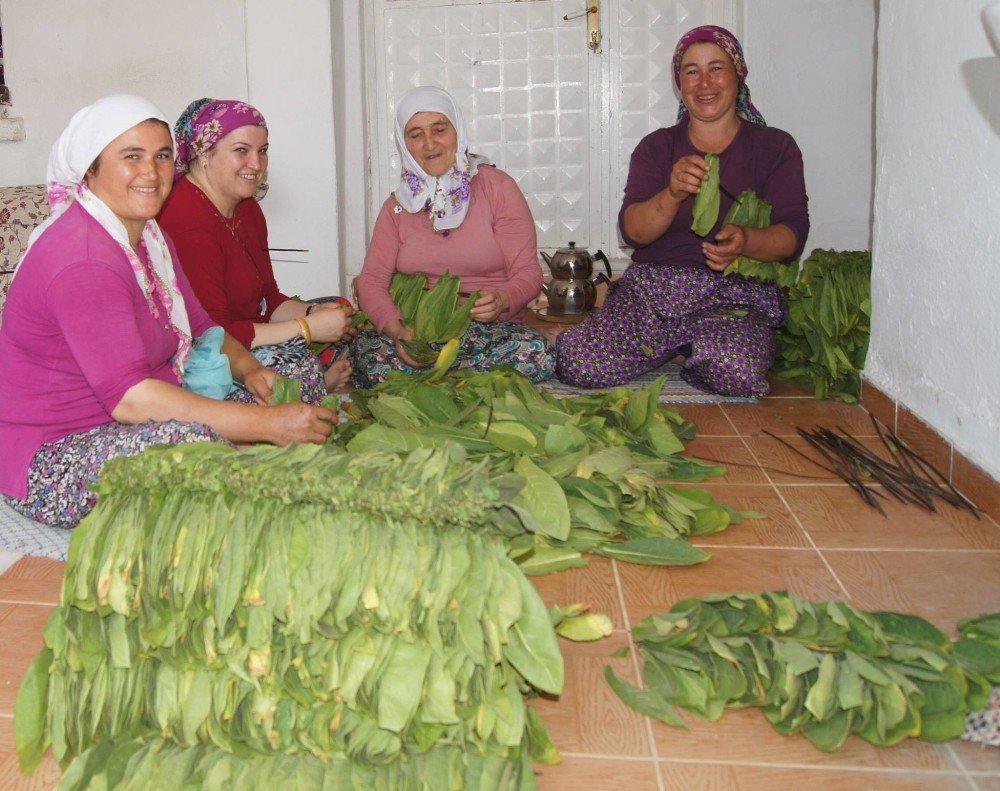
484 346
723 326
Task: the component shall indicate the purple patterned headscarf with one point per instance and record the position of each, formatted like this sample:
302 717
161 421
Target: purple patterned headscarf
731 46
205 122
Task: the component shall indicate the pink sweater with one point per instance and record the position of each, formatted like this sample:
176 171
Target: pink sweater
494 247
76 334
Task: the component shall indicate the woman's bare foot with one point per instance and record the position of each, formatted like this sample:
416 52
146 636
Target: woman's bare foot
338 377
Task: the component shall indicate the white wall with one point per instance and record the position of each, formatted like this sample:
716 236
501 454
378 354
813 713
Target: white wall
936 241
60 56
811 74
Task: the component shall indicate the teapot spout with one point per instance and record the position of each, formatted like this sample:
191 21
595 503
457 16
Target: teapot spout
546 256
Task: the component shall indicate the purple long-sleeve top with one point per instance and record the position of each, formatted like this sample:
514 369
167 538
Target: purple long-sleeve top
760 158
77 334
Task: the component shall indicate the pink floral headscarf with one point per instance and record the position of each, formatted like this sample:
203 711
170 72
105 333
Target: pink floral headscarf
714 34
205 122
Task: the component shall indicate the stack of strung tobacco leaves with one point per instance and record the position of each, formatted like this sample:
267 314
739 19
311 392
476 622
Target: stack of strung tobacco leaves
824 342
294 602
595 466
822 669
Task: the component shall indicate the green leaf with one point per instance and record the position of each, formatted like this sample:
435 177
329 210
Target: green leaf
586 627
644 701
533 649
544 498
31 737
654 551
546 560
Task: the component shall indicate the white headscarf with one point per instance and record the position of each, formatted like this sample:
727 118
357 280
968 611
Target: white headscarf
446 197
87 135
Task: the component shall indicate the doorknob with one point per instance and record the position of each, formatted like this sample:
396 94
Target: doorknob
593 14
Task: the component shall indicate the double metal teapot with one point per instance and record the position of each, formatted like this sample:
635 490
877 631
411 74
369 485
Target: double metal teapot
573 290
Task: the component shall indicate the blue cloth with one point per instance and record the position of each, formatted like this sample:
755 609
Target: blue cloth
207 371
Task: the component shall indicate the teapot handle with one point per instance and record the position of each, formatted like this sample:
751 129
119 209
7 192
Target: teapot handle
607 264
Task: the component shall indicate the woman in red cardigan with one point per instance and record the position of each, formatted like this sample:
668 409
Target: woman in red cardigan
221 237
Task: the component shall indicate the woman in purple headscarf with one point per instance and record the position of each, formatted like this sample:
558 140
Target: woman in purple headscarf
673 299
221 236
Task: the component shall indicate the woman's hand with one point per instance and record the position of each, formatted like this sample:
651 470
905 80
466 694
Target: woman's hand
396 331
260 382
288 423
648 220
490 306
728 246
686 177
329 322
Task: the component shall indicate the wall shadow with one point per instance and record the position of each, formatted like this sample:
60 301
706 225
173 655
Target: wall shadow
982 80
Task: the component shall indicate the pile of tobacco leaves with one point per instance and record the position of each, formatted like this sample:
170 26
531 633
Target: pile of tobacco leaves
824 342
820 669
298 617
599 469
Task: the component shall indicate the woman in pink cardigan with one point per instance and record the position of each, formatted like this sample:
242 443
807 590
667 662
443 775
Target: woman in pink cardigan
452 212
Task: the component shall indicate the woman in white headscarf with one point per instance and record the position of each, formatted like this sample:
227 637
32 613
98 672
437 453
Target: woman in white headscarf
97 342
452 212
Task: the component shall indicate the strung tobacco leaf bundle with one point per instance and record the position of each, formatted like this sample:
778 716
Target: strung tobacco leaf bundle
596 467
301 600
141 764
824 342
752 211
705 212
822 669
434 313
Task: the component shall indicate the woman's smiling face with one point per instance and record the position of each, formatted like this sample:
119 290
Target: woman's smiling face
708 82
134 173
432 141
237 162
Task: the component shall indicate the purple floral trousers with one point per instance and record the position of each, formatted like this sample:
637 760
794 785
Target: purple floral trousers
61 472
723 326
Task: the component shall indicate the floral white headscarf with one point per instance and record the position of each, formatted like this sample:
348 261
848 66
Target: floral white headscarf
88 133
445 198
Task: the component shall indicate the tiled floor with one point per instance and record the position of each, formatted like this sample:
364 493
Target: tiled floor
818 540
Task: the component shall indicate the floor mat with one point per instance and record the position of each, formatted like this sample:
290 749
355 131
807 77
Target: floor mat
675 389
23 536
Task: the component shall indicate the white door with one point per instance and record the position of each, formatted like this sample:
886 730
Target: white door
558 116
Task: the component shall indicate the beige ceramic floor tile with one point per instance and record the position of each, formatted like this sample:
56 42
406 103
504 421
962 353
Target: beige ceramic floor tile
652 590
731 453
719 777
589 717
784 389
709 418
44 778
32 580
941 586
838 517
745 736
21 627
783 416
598 774
777 529
594 584
977 757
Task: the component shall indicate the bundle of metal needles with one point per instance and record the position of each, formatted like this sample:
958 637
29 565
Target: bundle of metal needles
906 475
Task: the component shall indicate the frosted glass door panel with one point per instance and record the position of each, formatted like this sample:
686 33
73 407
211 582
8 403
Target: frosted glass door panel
522 76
